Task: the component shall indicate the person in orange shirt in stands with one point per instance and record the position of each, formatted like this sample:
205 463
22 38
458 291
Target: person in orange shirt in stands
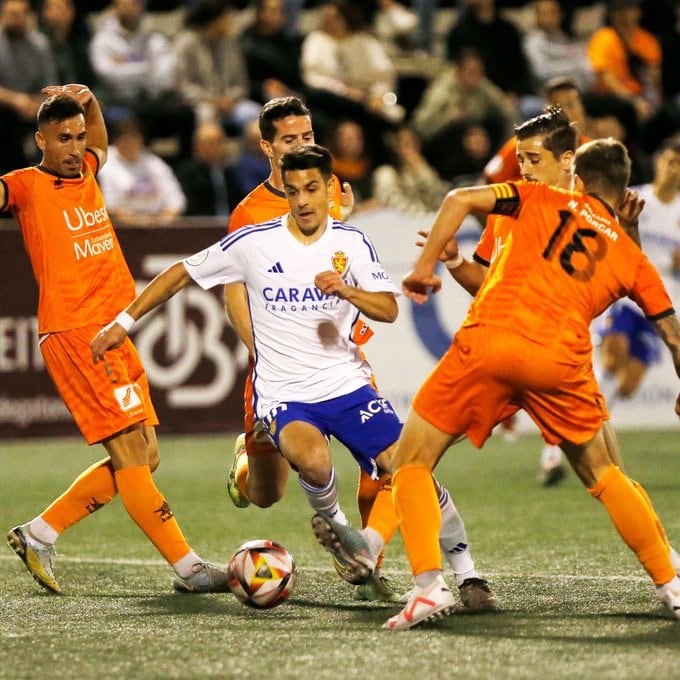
83 282
525 342
626 59
561 93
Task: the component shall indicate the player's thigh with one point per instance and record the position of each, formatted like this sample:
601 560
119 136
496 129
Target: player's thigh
305 447
630 376
420 443
614 351
573 410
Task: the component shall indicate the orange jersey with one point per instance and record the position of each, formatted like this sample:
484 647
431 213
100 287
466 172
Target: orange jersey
82 275
504 166
265 202
561 260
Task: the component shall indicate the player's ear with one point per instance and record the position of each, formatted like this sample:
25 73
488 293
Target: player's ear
266 148
566 160
40 140
578 183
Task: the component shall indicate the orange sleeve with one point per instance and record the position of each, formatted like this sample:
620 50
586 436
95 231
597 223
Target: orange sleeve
238 218
335 203
507 199
504 166
484 250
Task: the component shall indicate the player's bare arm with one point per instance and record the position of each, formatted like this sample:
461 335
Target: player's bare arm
376 305
467 273
97 136
457 205
668 329
236 306
161 289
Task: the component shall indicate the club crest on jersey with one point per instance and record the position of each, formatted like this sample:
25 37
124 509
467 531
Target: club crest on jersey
339 262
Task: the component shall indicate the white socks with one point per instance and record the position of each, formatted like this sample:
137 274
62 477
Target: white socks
453 539
324 499
41 532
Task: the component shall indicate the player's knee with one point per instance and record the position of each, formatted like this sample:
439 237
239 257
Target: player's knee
154 459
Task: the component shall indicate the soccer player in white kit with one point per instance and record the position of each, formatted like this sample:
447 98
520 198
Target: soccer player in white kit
308 277
629 344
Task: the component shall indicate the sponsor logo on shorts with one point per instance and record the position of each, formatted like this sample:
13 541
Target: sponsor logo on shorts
128 397
375 406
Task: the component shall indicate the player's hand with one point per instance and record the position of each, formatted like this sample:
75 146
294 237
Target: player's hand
346 200
631 206
330 283
109 337
81 93
450 249
418 285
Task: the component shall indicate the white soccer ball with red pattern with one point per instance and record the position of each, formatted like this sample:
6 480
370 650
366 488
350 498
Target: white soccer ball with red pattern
262 574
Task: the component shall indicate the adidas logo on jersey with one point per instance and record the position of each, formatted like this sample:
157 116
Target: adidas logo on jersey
276 269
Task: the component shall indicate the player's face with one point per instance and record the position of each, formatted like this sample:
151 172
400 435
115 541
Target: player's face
307 192
63 145
668 169
570 102
292 132
536 163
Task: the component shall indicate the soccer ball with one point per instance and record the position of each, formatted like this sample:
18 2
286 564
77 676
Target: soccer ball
262 574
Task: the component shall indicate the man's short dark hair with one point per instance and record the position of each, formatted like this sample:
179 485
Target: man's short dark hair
276 109
57 108
603 166
559 135
308 157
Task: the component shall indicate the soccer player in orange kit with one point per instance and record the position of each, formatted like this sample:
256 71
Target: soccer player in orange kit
83 282
526 342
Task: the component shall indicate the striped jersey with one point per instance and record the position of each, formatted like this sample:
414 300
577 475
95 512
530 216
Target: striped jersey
303 345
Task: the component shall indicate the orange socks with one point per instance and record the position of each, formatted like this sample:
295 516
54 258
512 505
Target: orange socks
419 516
367 493
94 488
147 507
383 517
635 521
657 521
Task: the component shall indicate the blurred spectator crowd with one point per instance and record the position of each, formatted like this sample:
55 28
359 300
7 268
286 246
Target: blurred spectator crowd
412 97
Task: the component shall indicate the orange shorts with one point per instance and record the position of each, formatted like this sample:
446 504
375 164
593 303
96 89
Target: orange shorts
103 398
488 372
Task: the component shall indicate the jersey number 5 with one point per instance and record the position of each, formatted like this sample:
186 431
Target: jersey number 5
580 267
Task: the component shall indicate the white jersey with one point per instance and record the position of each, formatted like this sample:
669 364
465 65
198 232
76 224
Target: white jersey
659 226
303 346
